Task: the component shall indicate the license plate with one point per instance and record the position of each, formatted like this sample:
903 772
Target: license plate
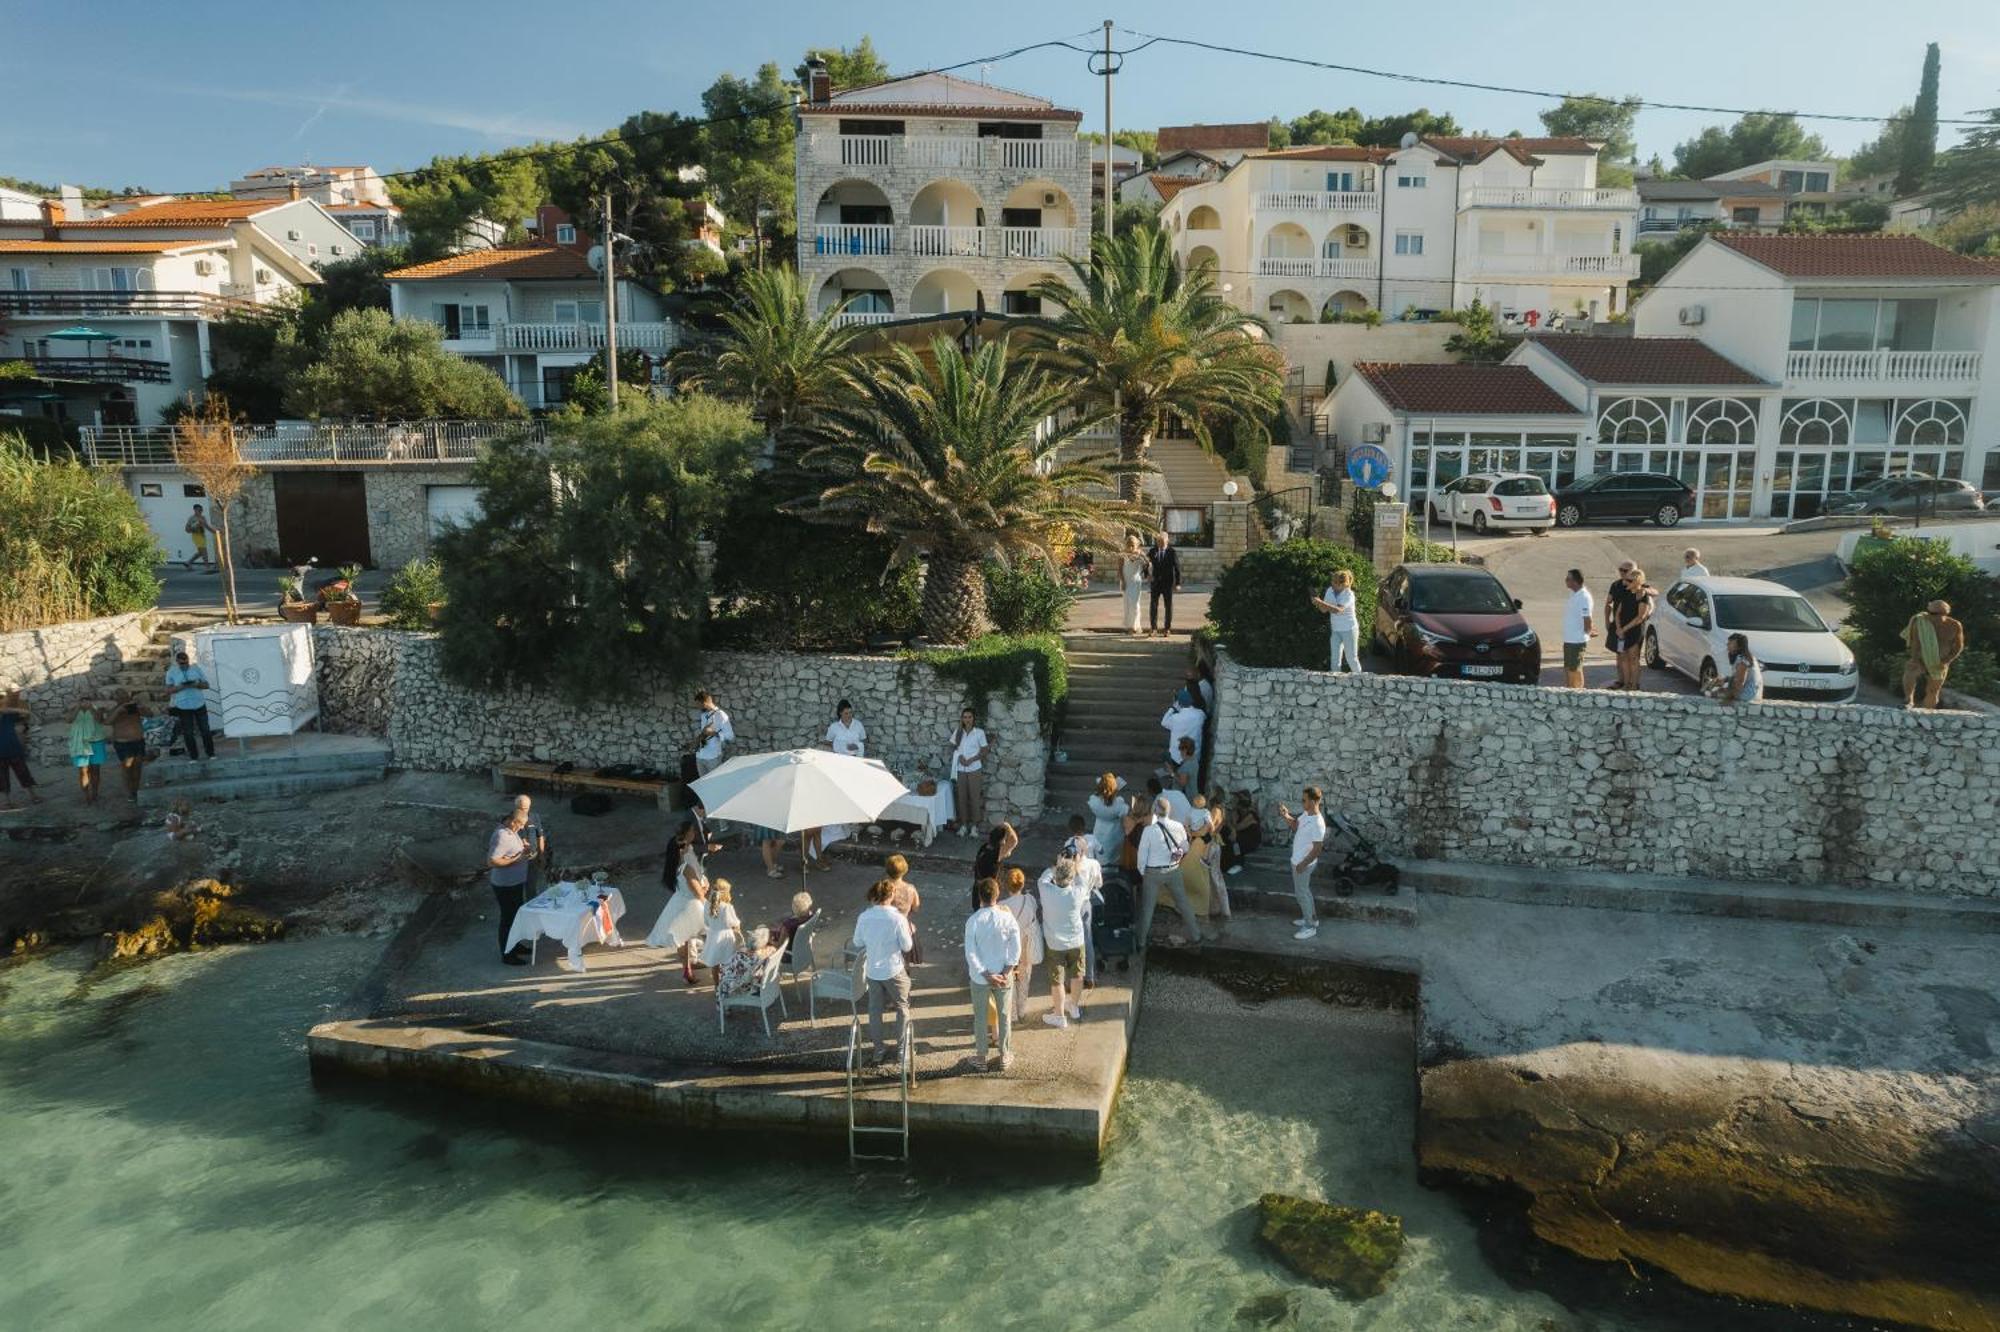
1810 682
1485 670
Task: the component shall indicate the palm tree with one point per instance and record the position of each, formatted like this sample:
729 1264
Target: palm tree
787 362
1165 346
947 454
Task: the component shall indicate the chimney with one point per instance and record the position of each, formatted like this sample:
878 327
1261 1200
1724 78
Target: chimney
53 214
292 191
819 82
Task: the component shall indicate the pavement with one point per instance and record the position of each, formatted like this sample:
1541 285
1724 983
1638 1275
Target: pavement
197 591
1103 609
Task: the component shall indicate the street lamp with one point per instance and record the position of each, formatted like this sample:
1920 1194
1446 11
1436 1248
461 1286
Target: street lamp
1229 489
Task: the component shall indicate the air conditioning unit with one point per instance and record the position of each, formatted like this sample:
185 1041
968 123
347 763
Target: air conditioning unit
1357 237
338 250
204 266
1048 198
1693 314
1374 432
292 235
263 275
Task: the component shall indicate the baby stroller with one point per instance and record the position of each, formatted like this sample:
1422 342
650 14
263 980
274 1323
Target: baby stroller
1354 860
1112 922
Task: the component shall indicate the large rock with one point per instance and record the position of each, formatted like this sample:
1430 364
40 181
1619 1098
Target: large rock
1354 1252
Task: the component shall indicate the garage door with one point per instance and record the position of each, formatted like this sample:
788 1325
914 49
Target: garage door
322 516
167 498
451 506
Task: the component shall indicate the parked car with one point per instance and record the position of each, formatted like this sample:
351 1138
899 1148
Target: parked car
1454 621
1802 658
1499 500
1909 494
1633 497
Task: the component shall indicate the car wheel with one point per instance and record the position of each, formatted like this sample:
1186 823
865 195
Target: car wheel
1479 523
1569 515
1877 511
1652 649
1432 510
1668 516
1708 675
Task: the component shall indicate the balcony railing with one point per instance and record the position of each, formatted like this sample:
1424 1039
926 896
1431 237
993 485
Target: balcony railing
397 442
1321 267
869 238
115 304
847 317
1926 367
1043 242
931 242
944 151
632 336
102 369
1548 196
830 243
1558 265
1318 201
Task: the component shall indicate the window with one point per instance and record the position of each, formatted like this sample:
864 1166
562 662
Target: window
579 312
151 490
1723 422
565 233
122 279
1748 216
1020 303
1816 182
1339 182
1814 422
363 228
1632 421
18 279
465 321
1409 242
191 491
1863 325
1412 182
312 251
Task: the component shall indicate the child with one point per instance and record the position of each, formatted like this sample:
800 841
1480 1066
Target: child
1028 915
87 750
724 929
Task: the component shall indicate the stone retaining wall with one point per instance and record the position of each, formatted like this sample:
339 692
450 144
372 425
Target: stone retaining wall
381 682
60 666
1640 783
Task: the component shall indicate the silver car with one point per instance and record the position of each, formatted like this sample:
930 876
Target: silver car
1910 495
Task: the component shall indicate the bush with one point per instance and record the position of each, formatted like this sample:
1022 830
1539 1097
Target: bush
1025 599
781 582
74 544
408 598
993 664
1894 580
1262 609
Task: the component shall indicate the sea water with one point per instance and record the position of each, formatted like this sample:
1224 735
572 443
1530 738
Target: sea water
167 1163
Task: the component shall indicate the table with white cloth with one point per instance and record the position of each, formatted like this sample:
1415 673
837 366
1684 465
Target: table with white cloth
572 915
928 812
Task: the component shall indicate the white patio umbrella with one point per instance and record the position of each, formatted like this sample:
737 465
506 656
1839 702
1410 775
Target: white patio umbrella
799 789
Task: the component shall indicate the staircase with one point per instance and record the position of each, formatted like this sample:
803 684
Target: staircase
1192 475
1118 687
302 765
144 674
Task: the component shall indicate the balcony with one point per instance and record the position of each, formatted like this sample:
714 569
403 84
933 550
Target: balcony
1558 265
1043 242
849 238
1549 196
399 442
1347 269
933 242
849 317
1317 201
944 152
119 304
102 369
1883 365
584 337
839 243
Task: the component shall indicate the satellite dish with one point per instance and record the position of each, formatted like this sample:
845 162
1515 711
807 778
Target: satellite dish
595 258
1409 138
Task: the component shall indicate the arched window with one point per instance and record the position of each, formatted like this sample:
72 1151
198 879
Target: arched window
1816 423
1632 421
1722 423
1931 423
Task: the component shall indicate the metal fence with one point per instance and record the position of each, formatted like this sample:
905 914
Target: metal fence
393 442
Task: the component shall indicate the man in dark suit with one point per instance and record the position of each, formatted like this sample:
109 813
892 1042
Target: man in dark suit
1164 575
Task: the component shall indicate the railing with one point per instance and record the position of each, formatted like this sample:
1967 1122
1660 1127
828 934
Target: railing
1043 242
1031 154
397 442
102 369
1922 366
1558 265
105 304
1322 267
866 149
947 242
1652 224
951 151
1317 201
1548 196
852 238
585 337
846 317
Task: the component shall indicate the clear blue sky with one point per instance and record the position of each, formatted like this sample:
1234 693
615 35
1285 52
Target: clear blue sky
185 96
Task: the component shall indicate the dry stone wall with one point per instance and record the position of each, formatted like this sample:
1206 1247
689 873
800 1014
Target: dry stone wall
1641 783
60 666
380 682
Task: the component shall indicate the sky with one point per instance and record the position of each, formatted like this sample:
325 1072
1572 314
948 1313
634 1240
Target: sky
184 97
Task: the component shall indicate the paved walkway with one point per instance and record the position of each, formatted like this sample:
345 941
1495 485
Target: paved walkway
1103 610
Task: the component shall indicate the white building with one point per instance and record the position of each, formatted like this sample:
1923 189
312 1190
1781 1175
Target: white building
532 312
355 196
931 194
1518 224
301 227
1667 206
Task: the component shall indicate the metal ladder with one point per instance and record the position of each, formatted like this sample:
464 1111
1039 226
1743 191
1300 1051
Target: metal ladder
900 1131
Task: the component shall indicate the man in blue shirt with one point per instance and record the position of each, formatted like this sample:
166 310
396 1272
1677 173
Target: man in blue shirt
190 707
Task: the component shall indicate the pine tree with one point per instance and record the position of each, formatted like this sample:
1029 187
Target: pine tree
1920 136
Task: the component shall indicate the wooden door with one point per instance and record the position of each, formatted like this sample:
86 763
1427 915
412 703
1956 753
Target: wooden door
322 516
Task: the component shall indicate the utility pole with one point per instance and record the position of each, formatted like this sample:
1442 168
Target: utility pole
1110 198
610 306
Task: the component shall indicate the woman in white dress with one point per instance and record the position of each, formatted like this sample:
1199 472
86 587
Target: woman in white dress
680 923
725 930
1108 810
1132 567
844 735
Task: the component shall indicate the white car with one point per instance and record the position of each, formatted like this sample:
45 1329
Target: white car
1501 501
1802 658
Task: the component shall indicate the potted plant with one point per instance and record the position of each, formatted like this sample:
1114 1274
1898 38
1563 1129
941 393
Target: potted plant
292 605
343 604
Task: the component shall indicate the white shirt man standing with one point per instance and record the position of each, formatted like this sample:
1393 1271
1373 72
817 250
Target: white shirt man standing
1308 833
1183 720
992 951
1161 847
882 935
1579 622
1065 899
1691 565
712 735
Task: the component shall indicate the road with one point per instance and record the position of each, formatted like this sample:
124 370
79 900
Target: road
198 592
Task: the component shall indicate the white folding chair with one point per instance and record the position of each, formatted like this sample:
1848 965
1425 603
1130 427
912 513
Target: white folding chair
763 992
842 982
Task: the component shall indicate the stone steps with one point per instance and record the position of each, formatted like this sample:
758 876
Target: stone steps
317 763
260 788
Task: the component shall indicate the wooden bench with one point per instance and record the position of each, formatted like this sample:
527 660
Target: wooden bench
507 777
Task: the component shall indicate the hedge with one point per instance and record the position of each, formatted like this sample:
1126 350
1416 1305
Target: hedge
1262 609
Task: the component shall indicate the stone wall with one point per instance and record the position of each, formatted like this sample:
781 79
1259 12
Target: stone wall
60 666
399 528
1639 783
380 682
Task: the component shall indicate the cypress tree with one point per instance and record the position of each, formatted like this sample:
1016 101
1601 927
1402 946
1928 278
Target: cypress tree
1920 134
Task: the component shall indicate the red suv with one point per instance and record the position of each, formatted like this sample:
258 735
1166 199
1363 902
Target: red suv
1454 621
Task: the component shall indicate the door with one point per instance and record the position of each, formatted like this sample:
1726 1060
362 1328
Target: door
1680 625
1618 497
450 506
322 516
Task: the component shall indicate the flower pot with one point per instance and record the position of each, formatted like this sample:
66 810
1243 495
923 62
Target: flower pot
299 612
343 612
436 609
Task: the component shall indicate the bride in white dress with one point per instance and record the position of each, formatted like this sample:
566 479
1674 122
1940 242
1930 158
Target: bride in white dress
681 923
1132 570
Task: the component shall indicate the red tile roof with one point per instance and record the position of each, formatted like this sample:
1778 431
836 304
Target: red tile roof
185 213
1643 360
940 110
1255 135
1473 148
1463 390
1325 152
1858 257
102 247
518 262
1169 186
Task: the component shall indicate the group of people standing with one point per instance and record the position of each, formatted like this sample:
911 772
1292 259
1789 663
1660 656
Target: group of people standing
98 736
1629 603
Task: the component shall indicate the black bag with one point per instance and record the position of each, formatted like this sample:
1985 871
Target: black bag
590 804
689 768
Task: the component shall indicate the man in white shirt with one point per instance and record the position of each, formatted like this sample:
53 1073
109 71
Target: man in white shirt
1083 849
1308 833
1183 720
1161 847
1064 899
1179 808
713 733
1691 565
882 935
992 950
1579 622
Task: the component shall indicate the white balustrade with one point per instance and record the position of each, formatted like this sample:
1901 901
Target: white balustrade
396 442
1317 201
846 317
1274 266
961 152
1347 267
866 149
1043 242
1558 265
933 242
850 238
585 336
1548 196
951 152
1031 154
1884 364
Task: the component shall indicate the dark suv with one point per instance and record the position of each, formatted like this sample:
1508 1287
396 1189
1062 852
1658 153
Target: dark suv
1632 497
1454 621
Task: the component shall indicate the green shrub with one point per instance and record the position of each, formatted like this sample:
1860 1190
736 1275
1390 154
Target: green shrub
994 665
74 544
1361 519
407 600
1262 609
781 582
1896 579
1025 599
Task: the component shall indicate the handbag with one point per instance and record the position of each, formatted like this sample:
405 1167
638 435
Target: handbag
690 770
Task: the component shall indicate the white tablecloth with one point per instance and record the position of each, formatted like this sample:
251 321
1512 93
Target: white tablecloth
929 812
564 913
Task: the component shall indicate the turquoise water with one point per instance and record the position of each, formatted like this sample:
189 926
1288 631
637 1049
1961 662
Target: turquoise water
168 1164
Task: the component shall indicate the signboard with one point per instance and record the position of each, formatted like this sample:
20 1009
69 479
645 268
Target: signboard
1367 465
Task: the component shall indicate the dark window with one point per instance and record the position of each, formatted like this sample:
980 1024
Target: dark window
1475 485
1009 129
1020 303
1761 612
1460 595
856 215
1521 485
870 126
194 492
1020 217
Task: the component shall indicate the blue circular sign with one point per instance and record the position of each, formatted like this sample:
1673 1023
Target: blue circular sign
1367 465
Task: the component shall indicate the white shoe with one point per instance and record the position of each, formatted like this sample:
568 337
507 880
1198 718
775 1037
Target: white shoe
1056 1020
1306 932
1235 869
1301 922
1075 1013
